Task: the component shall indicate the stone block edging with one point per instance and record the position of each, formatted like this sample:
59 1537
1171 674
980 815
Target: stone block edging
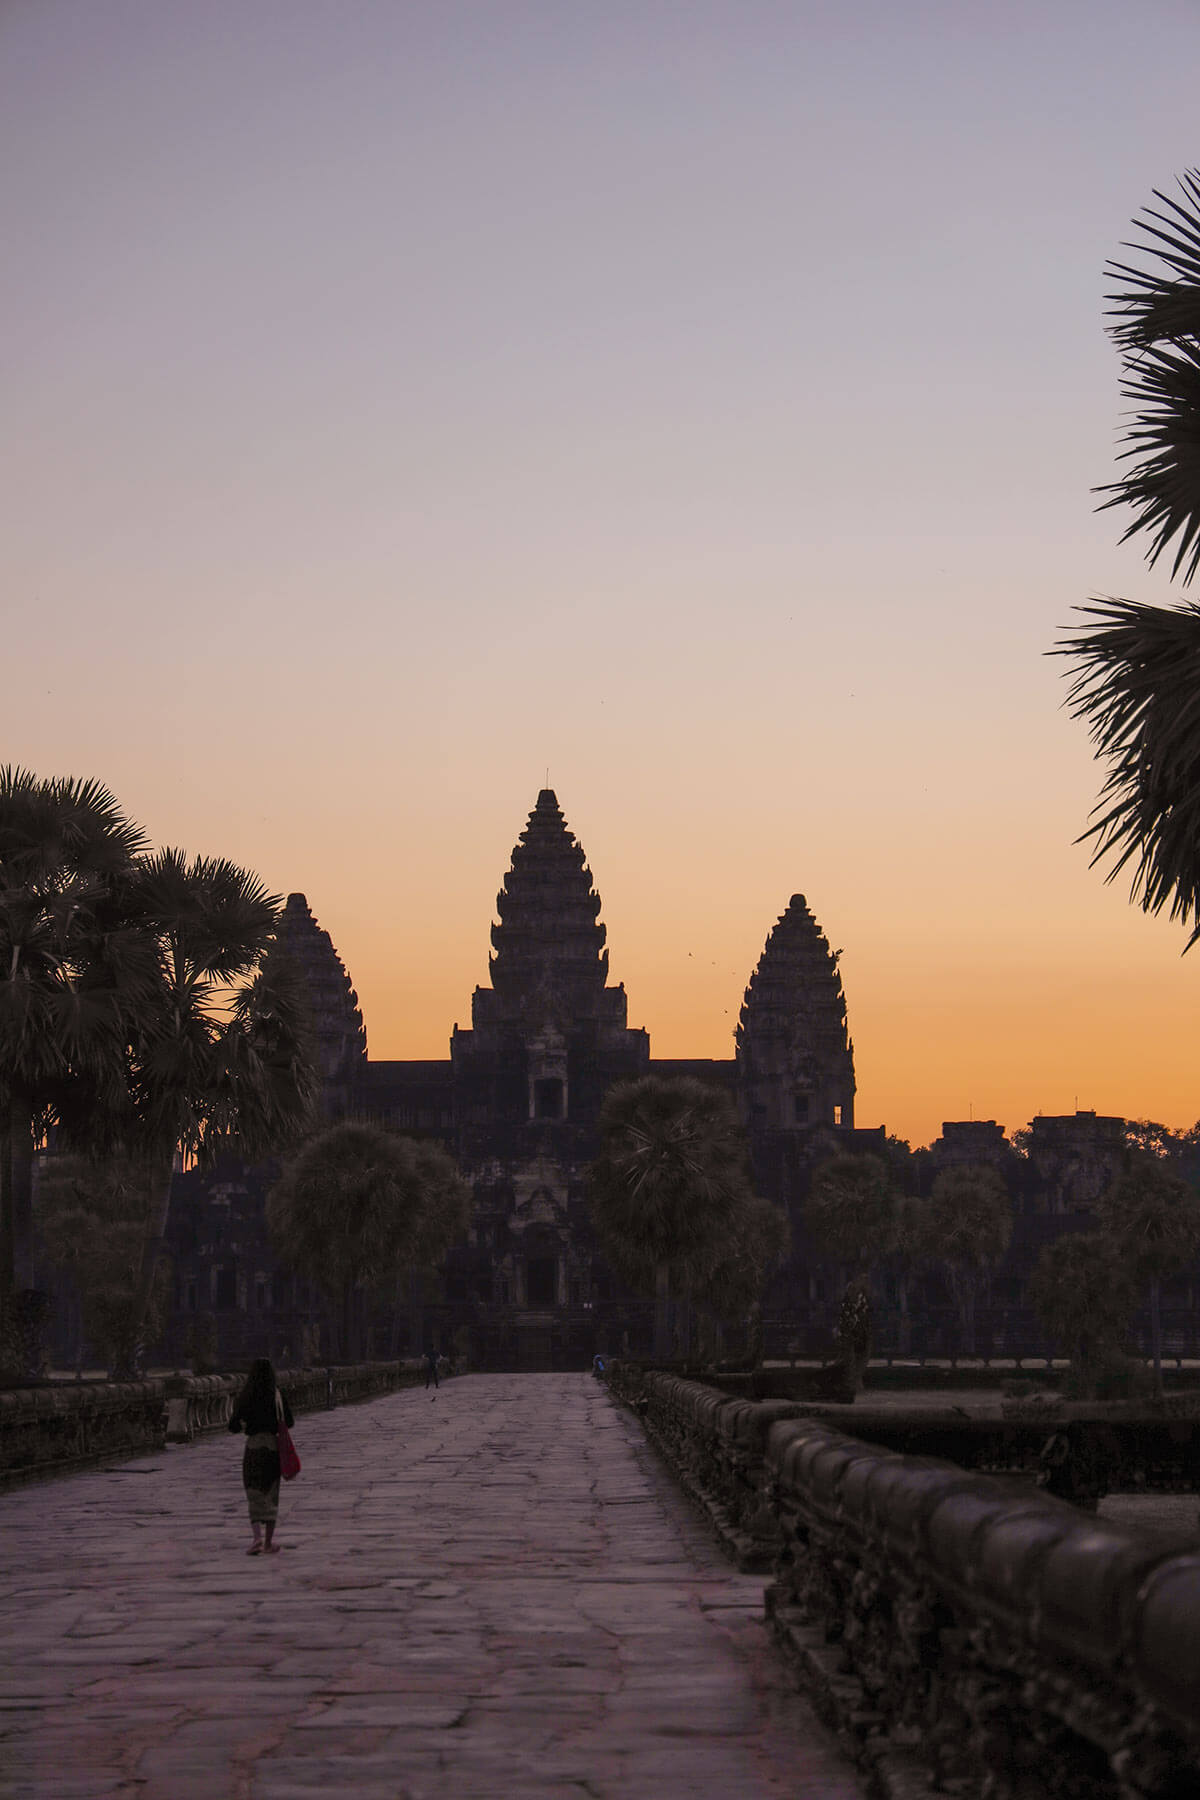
939 1615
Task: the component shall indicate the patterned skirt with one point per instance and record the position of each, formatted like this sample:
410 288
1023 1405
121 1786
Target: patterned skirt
260 1476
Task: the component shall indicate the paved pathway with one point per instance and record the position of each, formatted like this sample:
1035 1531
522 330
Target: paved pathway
497 1592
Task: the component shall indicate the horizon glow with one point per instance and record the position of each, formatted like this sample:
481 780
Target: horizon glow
705 404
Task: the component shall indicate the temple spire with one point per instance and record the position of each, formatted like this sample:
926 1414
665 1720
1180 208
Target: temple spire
795 1059
329 1000
548 945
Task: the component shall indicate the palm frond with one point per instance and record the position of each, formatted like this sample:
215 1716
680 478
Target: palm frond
1155 320
1162 485
1137 688
1151 304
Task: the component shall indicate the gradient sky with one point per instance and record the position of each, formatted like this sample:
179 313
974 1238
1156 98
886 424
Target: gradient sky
702 402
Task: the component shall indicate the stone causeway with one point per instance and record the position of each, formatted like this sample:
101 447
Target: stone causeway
495 1590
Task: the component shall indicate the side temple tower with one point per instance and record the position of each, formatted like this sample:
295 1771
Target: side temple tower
330 1002
794 1057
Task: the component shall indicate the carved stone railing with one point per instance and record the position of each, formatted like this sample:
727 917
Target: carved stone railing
198 1403
959 1628
47 1428
52 1429
716 1445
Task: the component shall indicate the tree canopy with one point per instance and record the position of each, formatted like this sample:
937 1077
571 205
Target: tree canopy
73 968
964 1227
671 1173
851 1208
356 1204
670 1191
967 1220
91 1226
135 1014
220 1056
1082 1291
1151 1217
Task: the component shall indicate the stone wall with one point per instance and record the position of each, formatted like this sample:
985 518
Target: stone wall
958 1628
50 1430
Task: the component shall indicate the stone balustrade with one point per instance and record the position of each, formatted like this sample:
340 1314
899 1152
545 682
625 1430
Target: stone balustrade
958 1627
47 1430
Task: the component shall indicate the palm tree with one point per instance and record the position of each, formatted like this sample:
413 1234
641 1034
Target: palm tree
72 965
850 1209
1152 1218
1138 689
1155 317
91 1226
669 1182
445 1211
905 1257
965 1227
755 1242
1136 685
1082 1292
220 1058
351 1207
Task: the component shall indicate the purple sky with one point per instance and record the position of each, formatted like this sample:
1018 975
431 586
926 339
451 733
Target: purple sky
703 401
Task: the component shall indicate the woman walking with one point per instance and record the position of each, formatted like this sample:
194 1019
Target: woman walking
259 1412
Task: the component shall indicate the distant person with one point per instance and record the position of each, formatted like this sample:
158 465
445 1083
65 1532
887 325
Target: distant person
258 1410
598 1366
431 1368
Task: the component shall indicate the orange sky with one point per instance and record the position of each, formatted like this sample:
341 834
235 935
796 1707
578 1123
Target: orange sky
704 404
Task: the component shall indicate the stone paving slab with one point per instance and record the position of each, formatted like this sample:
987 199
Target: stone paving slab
493 1592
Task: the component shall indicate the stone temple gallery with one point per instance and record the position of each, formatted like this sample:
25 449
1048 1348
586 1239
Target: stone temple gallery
516 1103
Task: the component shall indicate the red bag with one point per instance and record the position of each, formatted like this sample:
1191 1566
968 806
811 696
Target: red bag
289 1461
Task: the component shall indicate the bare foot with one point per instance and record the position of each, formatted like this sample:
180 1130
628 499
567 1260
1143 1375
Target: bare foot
271 1549
254 1550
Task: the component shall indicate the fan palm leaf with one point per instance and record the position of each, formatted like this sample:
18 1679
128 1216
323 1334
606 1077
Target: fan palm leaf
66 851
1155 321
1137 688
672 1169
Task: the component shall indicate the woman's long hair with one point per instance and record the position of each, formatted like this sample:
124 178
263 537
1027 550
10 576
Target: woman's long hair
259 1391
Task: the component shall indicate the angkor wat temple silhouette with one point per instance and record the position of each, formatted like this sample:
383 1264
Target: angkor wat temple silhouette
517 1103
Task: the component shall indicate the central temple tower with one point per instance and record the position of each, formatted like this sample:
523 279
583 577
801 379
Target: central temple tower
549 1036
548 1039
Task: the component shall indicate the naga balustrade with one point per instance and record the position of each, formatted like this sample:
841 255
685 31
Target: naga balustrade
56 1428
197 1403
49 1428
957 1627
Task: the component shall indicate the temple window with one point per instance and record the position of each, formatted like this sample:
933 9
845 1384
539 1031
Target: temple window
837 1115
800 1109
